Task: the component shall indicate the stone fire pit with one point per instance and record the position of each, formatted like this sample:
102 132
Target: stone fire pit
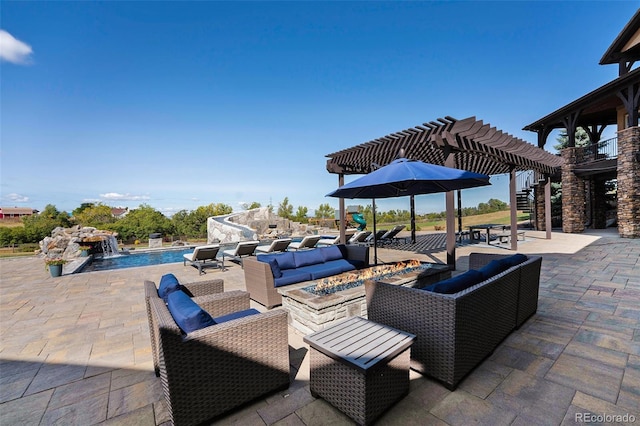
309 312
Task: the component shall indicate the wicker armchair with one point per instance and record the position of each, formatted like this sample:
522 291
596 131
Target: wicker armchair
212 370
200 288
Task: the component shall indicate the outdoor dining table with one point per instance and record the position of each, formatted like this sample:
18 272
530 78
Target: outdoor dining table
487 226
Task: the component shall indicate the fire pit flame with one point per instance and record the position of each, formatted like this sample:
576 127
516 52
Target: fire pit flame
352 279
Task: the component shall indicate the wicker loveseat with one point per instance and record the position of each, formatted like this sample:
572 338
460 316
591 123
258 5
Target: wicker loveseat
455 332
295 267
214 369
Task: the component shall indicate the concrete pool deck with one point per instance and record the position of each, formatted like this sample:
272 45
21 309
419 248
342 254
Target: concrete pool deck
75 350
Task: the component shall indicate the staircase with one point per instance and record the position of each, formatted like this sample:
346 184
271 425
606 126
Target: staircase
526 181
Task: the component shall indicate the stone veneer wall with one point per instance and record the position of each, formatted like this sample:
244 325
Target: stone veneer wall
539 223
629 182
573 194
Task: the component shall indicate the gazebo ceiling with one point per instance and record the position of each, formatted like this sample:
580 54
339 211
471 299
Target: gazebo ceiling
476 147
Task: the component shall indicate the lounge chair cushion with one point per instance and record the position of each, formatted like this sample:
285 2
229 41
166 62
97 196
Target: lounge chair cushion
308 257
291 276
187 314
235 315
331 253
168 284
457 283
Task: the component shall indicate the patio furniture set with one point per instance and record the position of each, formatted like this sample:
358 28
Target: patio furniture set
213 353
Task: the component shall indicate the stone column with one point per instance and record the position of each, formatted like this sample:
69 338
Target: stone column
538 192
573 196
629 182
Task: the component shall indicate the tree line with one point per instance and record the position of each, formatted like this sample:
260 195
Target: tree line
138 223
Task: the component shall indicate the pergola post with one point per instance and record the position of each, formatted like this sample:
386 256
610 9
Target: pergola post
513 209
451 219
547 207
343 215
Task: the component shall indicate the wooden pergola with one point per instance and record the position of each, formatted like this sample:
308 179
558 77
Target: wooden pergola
467 144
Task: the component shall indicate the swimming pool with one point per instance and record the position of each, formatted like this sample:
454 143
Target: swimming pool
137 259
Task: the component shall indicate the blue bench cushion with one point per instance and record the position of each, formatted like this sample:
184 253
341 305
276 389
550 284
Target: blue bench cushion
492 269
514 260
235 315
168 284
457 283
331 253
291 276
308 257
323 270
187 314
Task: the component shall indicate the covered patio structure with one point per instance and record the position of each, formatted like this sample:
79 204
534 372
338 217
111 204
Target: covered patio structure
467 144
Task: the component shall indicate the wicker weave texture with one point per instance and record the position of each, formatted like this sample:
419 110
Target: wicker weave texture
363 396
199 288
215 369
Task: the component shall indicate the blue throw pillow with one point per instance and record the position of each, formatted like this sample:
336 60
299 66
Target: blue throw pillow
457 283
235 315
286 260
492 268
331 253
308 257
513 260
186 313
275 268
168 284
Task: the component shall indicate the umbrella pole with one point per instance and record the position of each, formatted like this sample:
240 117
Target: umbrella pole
375 240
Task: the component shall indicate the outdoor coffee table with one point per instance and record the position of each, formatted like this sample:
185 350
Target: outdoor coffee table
360 367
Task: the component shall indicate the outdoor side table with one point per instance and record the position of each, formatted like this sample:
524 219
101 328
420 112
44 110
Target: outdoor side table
360 367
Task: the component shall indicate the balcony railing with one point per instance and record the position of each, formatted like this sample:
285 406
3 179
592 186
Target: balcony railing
603 150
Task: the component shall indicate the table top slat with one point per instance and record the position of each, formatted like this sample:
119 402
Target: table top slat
360 342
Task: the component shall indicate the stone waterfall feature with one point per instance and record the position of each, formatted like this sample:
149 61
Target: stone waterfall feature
66 242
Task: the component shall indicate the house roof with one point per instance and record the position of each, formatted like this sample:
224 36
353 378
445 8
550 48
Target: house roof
476 146
626 47
16 210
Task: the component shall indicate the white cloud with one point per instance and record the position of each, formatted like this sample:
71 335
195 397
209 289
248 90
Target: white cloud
14 50
124 197
17 198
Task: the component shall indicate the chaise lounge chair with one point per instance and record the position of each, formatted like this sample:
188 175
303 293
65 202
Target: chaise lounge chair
201 255
280 244
244 248
331 241
359 237
390 236
307 242
375 237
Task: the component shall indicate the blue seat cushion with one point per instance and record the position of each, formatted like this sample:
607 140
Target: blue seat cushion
235 315
275 268
308 257
514 260
187 314
168 284
327 269
331 253
291 276
457 283
492 268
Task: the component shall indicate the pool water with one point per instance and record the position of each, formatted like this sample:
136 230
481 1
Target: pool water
137 259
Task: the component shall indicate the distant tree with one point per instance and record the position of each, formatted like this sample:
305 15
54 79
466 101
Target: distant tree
285 209
194 224
82 208
94 215
582 139
252 205
36 227
325 211
141 222
301 215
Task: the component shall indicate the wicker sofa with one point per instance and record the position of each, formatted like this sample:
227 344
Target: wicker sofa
214 369
455 332
299 266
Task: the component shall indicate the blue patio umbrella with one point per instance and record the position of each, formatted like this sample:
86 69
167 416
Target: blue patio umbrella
404 177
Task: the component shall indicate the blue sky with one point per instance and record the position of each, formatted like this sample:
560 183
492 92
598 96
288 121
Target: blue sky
182 104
